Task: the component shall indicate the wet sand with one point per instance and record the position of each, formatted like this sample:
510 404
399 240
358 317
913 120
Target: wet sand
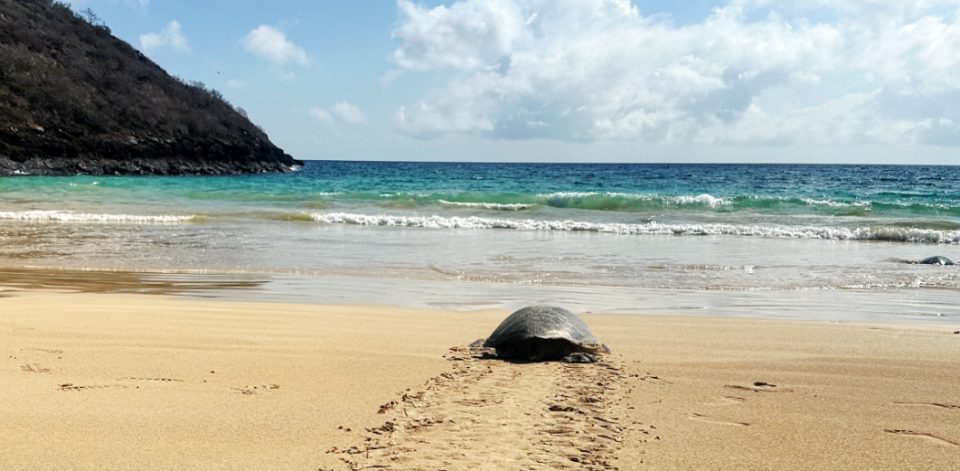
96 380
217 285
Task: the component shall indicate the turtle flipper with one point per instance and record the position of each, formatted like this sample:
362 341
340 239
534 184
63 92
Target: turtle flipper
580 357
478 343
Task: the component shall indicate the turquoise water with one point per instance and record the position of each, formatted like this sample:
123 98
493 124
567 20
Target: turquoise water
595 235
892 197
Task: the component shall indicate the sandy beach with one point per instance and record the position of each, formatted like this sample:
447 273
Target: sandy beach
270 236
126 381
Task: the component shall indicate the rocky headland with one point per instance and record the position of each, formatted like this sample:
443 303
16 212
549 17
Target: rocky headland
74 99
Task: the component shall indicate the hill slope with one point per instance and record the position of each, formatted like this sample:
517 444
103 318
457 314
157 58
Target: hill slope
75 99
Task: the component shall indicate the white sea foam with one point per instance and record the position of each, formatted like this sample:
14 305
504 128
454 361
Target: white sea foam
703 199
569 194
895 234
867 204
835 204
493 206
69 217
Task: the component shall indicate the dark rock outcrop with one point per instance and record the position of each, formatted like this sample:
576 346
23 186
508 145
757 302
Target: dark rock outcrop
75 99
936 260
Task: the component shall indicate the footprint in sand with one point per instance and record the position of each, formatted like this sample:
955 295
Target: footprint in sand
923 435
758 386
34 368
251 390
78 387
708 420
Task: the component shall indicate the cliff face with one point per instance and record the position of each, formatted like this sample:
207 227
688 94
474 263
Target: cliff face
75 99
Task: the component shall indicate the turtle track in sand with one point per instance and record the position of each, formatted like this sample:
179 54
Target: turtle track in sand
492 414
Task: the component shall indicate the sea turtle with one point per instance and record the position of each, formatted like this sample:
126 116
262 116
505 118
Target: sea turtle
538 333
936 260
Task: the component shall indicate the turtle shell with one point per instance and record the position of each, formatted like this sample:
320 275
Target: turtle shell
541 333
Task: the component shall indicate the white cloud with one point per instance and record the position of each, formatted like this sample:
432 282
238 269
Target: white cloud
468 35
753 71
348 113
269 43
343 111
320 114
171 36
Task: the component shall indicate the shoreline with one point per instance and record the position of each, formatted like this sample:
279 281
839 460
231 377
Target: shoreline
93 380
905 306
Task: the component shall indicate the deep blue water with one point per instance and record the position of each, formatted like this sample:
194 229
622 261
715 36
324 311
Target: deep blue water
788 189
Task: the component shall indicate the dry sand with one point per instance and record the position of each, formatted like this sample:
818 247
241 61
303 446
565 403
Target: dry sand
122 381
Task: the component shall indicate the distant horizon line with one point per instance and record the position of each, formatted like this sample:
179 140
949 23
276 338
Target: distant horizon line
796 164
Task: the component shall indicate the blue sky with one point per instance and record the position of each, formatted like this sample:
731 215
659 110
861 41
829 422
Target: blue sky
842 81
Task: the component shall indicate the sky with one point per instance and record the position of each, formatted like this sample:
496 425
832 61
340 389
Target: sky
795 81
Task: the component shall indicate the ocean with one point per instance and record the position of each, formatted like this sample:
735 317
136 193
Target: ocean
826 242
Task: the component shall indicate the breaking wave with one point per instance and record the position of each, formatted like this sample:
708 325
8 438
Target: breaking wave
653 202
835 204
878 233
69 217
614 200
493 206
